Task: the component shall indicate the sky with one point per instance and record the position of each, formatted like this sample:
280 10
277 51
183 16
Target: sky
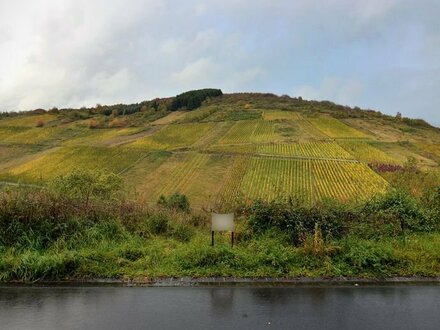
378 54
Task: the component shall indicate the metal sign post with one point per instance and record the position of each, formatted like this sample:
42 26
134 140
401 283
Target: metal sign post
222 222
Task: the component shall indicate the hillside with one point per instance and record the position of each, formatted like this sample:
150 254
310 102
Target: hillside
232 147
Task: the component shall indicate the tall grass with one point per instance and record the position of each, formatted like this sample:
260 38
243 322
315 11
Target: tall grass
46 235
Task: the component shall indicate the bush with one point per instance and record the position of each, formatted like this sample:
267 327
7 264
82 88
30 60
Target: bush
397 211
176 201
299 221
87 185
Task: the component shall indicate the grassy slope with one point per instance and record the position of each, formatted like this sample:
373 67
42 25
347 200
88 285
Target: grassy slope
305 150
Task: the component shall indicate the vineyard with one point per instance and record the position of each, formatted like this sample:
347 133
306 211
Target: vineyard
334 128
306 149
367 153
226 150
281 115
309 180
61 161
249 131
174 136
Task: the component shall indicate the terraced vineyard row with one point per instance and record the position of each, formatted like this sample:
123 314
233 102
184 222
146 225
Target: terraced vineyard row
270 178
179 179
367 153
173 136
281 115
249 131
306 149
345 181
335 128
319 149
47 165
231 185
308 180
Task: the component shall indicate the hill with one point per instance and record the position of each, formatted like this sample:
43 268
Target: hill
226 148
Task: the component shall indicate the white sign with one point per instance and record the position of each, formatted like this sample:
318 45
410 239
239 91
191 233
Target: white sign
222 222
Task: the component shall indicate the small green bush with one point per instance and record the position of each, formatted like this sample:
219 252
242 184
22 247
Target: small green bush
398 211
176 201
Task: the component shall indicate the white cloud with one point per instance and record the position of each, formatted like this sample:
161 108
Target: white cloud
196 72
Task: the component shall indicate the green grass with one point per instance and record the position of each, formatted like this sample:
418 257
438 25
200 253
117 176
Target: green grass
132 257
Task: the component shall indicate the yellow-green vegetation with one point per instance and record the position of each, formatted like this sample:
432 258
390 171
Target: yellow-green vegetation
67 159
174 136
366 152
171 118
310 180
35 136
334 128
281 115
102 137
235 146
430 149
28 121
249 131
346 181
299 130
330 150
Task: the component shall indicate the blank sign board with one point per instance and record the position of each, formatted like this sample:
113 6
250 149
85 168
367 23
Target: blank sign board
222 222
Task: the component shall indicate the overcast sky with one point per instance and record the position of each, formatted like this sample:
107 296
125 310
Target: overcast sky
380 54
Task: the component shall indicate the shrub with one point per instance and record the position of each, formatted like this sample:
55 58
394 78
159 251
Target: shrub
176 201
299 221
117 123
399 211
87 185
93 123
